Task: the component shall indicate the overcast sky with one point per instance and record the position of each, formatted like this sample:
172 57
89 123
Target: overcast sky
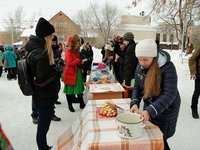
48 8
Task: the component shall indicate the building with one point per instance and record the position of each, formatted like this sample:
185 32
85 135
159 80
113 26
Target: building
4 38
64 26
143 26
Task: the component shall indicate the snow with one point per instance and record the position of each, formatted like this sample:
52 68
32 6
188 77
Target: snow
28 32
15 113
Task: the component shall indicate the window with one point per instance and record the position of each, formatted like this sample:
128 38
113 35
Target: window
61 37
61 24
164 37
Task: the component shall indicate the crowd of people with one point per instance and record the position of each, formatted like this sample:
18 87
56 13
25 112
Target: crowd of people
150 68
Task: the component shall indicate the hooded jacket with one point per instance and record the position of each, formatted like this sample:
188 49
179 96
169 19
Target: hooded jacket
44 77
10 56
130 63
163 109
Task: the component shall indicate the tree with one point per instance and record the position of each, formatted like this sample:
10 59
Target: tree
99 21
177 15
15 24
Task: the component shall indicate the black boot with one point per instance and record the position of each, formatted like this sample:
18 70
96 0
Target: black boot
195 114
80 98
69 101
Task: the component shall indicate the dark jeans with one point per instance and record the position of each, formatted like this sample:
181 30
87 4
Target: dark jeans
196 93
84 74
35 111
45 115
11 73
166 146
1 70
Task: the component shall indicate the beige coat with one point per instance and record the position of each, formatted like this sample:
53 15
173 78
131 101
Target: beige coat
193 60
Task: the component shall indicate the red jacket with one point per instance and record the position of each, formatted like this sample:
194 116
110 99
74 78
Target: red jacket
70 72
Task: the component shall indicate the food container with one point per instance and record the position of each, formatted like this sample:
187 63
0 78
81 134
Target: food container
130 125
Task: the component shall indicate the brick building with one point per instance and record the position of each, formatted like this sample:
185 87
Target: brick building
64 26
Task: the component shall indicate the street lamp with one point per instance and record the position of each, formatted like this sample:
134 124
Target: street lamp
12 35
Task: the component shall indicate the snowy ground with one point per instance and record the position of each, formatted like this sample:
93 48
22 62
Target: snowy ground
15 110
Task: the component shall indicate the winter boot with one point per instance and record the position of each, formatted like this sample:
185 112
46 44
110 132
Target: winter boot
80 98
69 101
195 114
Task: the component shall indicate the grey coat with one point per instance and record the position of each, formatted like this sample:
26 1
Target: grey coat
163 109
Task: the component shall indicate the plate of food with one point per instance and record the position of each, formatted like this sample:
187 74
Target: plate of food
108 110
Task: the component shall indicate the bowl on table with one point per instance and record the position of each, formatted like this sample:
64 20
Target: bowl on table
130 125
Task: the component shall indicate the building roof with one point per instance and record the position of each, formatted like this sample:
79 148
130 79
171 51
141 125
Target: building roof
60 12
28 32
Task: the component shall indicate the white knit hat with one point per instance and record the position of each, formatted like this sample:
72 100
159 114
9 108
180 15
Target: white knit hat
146 48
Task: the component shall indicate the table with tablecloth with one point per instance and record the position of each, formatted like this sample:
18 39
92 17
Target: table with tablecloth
93 132
106 91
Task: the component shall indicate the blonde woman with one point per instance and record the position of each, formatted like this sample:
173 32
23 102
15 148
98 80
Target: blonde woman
44 76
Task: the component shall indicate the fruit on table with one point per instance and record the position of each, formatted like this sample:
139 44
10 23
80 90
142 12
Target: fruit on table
108 110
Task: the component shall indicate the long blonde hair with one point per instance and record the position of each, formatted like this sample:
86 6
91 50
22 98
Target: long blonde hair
48 47
152 83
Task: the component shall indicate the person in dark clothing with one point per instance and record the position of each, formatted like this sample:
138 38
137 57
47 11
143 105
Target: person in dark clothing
91 54
118 58
156 84
57 57
43 74
130 60
103 52
87 58
35 113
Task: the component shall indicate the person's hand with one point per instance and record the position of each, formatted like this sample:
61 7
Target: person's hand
116 57
145 115
192 77
134 109
110 57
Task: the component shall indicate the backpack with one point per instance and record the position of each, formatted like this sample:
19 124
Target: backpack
24 81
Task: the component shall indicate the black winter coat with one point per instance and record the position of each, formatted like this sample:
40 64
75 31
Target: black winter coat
163 109
44 77
130 63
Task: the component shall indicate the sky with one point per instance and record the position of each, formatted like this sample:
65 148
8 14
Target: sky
48 8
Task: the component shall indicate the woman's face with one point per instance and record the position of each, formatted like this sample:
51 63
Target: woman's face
77 45
145 62
122 47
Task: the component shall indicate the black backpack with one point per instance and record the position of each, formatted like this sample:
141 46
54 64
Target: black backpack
24 81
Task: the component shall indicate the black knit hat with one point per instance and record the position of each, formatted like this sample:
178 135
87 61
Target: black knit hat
128 36
44 28
55 38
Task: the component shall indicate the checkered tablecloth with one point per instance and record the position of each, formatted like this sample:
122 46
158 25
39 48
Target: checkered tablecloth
91 132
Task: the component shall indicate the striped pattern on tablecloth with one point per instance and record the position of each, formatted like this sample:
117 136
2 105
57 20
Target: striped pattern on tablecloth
93 133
